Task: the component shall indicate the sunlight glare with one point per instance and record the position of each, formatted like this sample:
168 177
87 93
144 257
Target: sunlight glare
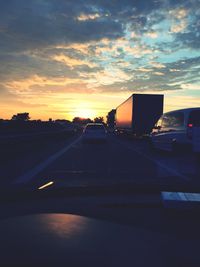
85 113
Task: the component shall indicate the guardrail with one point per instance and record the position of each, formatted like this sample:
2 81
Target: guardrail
25 135
35 138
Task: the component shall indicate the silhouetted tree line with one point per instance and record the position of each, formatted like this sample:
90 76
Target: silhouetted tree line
21 122
84 121
111 118
21 117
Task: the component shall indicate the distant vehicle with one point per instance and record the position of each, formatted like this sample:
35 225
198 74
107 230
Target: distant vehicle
94 132
174 129
139 113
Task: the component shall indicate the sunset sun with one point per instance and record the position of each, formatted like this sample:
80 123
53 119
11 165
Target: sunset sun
85 113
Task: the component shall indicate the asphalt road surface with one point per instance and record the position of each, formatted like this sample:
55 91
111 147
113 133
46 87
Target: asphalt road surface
154 234
118 161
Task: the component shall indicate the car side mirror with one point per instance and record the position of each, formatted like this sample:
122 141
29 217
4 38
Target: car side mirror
157 127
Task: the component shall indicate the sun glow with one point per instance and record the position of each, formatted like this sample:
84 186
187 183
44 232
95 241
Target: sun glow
85 113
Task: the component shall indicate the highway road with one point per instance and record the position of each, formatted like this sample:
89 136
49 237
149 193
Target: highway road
119 161
138 219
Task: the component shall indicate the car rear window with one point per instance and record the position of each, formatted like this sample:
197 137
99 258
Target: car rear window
194 118
173 120
95 127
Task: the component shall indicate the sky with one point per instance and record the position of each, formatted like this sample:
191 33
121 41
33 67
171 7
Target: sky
60 59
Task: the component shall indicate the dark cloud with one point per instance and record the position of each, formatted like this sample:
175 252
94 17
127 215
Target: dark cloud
34 24
191 38
31 29
22 66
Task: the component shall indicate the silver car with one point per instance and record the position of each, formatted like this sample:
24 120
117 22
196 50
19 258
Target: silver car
94 132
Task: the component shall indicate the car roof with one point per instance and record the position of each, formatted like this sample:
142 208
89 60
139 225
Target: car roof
182 110
93 123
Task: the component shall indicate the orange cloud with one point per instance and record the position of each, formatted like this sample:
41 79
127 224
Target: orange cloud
157 64
152 35
26 84
158 73
179 20
72 62
85 17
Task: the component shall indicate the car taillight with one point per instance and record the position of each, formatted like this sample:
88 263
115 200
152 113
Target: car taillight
189 130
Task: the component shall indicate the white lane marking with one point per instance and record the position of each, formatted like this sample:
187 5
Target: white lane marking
157 162
40 167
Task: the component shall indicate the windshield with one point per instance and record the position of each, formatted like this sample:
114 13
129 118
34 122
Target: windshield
99 133
119 65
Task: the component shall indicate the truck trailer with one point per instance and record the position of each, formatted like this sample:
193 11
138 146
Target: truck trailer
139 113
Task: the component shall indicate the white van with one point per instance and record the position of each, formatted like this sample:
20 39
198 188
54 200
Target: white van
196 140
175 129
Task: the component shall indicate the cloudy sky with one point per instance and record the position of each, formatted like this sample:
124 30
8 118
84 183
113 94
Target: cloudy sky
62 58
